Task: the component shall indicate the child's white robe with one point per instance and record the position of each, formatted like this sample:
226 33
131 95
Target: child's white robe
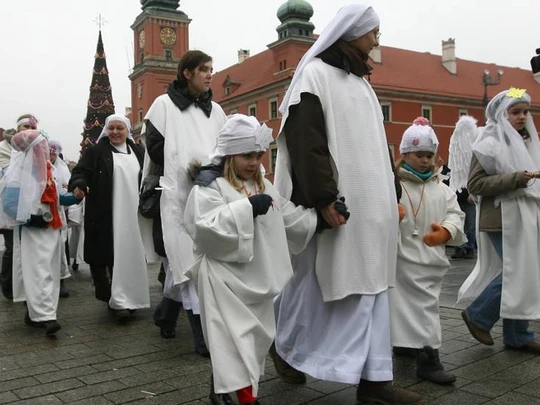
243 264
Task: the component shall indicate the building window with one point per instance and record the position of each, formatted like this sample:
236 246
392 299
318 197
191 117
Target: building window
168 54
273 156
463 111
252 110
280 66
284 64
140 115
273 108
386 111
233 111
227 90
426 113
142 56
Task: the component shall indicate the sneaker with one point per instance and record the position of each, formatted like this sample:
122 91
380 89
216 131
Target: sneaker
384 392
286 372
482 336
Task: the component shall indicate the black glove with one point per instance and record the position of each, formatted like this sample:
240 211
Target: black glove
260 203
78 183
341 208
37 221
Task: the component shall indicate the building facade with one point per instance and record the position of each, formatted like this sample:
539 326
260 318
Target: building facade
408 84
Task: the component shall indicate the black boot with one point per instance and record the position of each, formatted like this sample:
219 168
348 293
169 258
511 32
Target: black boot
64 293
198 337
75 265
404 351
165 316
219 399
6 274
429 367
384 392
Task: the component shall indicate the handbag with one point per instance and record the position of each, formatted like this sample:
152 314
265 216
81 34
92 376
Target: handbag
149 198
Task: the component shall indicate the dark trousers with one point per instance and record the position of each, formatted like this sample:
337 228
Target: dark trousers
102 277
6 275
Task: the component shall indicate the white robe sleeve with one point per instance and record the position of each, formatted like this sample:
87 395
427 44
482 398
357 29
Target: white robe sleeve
220 230
300 225
454 219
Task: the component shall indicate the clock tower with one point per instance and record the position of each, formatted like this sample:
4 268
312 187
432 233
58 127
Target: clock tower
161 37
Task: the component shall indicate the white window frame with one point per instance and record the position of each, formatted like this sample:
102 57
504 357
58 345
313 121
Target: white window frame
389 105
270 101
254 106
430 109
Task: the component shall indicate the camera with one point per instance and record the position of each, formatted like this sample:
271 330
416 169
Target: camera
535 62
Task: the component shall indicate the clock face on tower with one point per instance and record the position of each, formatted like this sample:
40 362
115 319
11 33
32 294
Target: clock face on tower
167 36
142 39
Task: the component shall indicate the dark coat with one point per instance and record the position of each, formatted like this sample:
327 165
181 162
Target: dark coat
95 170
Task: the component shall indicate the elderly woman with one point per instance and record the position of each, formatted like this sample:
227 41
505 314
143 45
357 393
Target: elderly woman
504 169
31 205
113 247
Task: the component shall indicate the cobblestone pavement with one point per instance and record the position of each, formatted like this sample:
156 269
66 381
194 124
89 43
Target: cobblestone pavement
92 360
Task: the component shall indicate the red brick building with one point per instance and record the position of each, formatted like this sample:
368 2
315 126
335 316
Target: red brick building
408 84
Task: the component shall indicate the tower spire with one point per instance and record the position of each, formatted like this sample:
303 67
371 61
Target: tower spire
100 102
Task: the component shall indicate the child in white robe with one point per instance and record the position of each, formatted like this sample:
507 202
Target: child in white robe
432 220
242 232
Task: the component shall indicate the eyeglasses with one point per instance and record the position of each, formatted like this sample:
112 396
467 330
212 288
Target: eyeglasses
377 35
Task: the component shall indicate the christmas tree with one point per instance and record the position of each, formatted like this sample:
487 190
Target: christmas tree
100 101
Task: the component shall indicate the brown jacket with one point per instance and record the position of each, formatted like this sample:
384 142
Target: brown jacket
489 187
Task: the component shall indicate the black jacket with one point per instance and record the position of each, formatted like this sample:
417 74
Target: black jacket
95 170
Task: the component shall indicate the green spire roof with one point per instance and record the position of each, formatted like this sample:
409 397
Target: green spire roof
294 16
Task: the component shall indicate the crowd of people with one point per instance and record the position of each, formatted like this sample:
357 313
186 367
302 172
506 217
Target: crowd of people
331 270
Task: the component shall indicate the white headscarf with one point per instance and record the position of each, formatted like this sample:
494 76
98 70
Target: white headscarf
115 117
25 180
241 134
501 149
351 22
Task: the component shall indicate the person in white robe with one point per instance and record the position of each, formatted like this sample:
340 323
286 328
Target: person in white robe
180 126
505 282
62 175
31 205
113 246
333 317
433 220
242 231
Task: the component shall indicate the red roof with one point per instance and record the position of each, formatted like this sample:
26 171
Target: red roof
400 70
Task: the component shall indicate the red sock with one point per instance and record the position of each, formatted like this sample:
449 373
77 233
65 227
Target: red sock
245 395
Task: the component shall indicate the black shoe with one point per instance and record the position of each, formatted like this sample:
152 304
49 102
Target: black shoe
8 294
219 399
30 322
284 370
384 392
121 315
51 327
429 367
64 293
167 333
404 351
458 254
75 265
198 337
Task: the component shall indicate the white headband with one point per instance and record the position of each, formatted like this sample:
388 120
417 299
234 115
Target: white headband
28 120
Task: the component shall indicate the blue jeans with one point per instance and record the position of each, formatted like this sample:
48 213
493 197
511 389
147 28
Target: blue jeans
484 311
470 225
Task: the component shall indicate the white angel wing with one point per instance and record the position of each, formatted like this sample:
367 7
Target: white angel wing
460 153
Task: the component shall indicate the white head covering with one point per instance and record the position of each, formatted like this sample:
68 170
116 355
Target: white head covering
115 117
55 147
419 137
460 152
351 22
25 180
241 134
501 149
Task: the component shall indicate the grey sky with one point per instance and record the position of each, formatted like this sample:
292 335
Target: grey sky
48 46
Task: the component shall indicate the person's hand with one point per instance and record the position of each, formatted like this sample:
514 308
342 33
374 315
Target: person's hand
470 199
401 211
530 175
78 193
260 203
342 208
439 236
439 163
332 216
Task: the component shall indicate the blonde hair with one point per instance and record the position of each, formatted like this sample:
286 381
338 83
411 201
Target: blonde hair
230 174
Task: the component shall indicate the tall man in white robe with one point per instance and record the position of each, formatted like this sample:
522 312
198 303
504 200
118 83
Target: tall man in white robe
333 316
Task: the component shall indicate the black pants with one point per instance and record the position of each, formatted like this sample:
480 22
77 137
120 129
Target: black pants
102 277
6 275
